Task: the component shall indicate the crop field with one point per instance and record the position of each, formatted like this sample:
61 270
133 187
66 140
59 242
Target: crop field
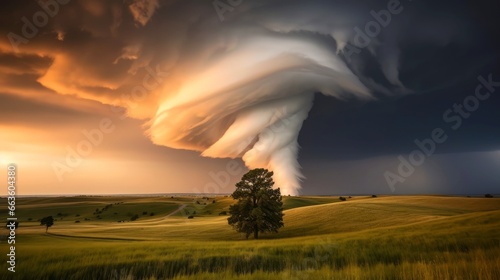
393 237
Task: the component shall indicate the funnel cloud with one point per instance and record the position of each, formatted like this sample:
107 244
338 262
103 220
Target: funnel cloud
240 87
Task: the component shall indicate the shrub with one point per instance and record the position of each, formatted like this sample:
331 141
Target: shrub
488 195
151 214
77 221
134 217
374 195
144 213
223 213
190 217
342 198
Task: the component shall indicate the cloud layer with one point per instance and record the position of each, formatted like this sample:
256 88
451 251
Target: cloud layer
240 87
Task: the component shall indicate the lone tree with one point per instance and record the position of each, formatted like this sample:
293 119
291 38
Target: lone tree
47 222
259 207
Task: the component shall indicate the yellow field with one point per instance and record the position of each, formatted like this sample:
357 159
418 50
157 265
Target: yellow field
411 237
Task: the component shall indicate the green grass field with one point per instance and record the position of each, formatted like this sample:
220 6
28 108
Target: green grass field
409 237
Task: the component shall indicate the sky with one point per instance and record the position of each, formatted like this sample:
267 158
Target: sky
171 96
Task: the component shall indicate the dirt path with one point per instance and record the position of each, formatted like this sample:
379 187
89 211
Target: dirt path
176 211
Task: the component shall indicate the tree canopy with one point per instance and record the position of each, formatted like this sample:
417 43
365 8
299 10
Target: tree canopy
259 208
47 222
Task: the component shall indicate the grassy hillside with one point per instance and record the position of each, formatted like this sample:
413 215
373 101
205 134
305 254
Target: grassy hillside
418 237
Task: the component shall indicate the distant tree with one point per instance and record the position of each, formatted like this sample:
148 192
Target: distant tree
373 195
488 195
342 198
259 207
47 222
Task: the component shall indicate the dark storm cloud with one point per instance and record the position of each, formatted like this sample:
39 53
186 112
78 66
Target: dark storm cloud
438 77
23 64
220 87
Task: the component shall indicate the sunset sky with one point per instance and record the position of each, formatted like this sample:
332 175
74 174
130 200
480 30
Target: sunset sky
152 96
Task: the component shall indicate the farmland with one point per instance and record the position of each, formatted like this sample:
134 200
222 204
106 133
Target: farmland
393 237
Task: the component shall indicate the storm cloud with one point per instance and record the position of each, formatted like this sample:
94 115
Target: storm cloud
237 79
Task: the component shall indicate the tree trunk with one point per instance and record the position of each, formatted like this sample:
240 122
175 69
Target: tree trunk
256 232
